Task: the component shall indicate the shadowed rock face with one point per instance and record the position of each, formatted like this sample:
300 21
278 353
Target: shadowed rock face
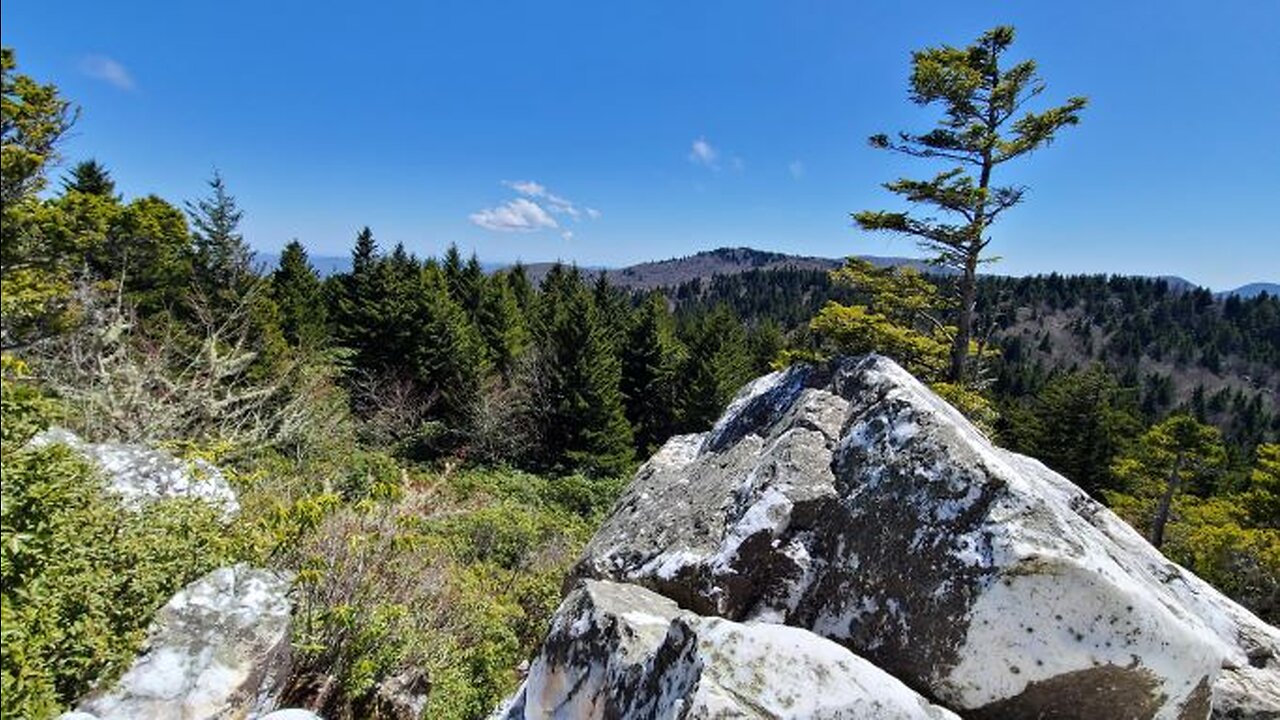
218 649
620 651
851 501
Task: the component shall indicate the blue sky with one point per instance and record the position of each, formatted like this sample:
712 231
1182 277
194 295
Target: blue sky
609 133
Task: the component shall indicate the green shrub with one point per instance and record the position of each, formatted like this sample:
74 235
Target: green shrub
457 577
81 575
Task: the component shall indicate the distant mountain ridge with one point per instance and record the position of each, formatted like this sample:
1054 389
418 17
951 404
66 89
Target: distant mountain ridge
729 261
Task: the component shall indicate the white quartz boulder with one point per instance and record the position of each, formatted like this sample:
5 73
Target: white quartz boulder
620 651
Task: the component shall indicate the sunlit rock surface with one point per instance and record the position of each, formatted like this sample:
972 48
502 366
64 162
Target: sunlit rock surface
620 651
139 474
851 501
218 649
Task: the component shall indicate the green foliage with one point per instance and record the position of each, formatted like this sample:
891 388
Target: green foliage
1076 425
1176 455
34 268
148 250
1263 495
652 358
980 129
578 400
456 582
295 287
718 365
501 324
223 262
89 178
34 118
82 575
897 318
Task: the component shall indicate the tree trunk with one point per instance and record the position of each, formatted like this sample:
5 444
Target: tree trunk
1166 500
964 331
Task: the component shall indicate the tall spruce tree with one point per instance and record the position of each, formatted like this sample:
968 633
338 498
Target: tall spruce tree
356 312
652 357
223 260
579 403
296 288
1077 425
447 354
501 324
981 130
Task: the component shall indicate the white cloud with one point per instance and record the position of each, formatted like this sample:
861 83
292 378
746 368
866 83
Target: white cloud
702 152
519 215
528 188
796 168
108 70
535 210
567 235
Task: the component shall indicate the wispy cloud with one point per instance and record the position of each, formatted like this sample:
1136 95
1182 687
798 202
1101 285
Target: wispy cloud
107 69
534 210
526 187
519 215
703 153
796 168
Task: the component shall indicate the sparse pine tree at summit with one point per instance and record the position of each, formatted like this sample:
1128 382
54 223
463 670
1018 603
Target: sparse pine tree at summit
984 126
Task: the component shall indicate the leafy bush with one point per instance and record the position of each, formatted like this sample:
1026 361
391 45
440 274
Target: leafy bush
456 579
81 575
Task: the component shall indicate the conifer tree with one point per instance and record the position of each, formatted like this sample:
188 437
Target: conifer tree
613 307
1078 424
460 278
718 365
981 130
447 353
91 178
522 288
501 324
295 286
1176 455
579 401
223 261
470 286
149 250
767 342
651 361
356 311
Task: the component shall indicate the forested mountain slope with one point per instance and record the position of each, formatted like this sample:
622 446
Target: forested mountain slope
1217 357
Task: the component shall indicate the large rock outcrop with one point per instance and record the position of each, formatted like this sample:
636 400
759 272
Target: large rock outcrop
851 501
218 649
139 474
620 651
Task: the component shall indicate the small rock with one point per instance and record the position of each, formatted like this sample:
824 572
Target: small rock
403 696
139 474
219 648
